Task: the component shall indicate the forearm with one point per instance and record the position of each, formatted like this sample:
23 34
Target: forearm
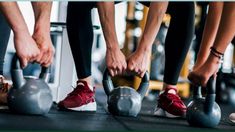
42 13
154 19
226 31
107 18
210 30
14 17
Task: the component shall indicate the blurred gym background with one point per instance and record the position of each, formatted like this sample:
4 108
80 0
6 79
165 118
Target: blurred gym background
130 19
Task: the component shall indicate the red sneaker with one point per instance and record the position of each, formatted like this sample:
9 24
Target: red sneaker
82 98
170 105
4 89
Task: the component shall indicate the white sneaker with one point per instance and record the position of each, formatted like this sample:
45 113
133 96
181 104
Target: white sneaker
232 117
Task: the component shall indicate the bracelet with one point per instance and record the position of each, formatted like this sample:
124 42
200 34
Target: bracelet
216 51
218 56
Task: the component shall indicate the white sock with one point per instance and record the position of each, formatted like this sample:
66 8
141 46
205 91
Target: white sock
172 91
90 86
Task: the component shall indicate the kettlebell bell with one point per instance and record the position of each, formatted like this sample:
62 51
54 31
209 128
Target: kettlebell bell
30 95
124 100
204 111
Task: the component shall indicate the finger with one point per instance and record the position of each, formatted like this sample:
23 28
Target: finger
23 62
136 70
44 58
48 60
130 67
111 72
142 74
47 63
115 72
124 65
119 70
39 57
34 57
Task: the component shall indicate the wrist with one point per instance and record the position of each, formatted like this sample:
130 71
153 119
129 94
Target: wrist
144 46
23 33
144 49
42 28
20 30
113 47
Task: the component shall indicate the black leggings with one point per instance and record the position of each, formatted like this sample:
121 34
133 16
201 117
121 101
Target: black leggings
178 40
4 37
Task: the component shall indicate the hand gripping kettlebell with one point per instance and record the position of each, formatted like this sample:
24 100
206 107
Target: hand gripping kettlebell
204 112
29 95
124 100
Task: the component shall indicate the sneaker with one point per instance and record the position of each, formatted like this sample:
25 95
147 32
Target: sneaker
232 117
4 88
170 105
82 98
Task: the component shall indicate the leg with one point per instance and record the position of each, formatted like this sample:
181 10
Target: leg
4 37
80 34
178 40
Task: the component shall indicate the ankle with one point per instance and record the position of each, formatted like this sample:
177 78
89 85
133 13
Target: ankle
165 86
171 88
88 82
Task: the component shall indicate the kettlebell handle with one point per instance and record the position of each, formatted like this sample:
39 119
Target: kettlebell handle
197 92
45 74
144 85
108 84
210 95
17 72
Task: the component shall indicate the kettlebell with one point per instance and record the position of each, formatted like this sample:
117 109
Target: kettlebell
204 111
30 95
124 100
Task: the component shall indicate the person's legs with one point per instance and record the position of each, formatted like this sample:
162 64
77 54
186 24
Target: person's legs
178 40
4 37
80 34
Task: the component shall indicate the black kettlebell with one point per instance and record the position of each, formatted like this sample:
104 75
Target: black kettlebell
29 95
124 100
204 112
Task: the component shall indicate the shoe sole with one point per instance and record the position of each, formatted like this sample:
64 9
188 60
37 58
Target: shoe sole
233 121
88 107
162 113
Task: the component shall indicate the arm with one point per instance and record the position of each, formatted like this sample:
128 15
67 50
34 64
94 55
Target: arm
137 61
210 31
25 46
42 13
224 36
115 60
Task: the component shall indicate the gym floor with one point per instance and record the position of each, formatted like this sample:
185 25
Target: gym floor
102 120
